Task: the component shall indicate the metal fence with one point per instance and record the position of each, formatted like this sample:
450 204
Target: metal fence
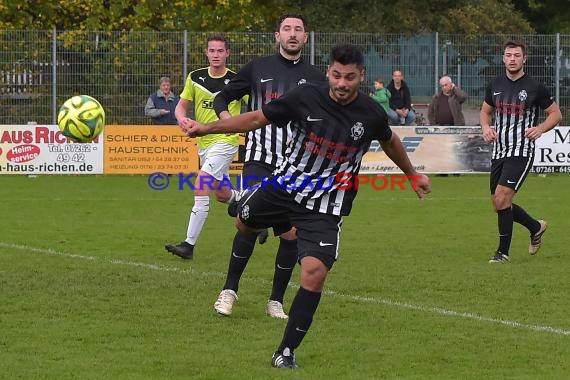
39 70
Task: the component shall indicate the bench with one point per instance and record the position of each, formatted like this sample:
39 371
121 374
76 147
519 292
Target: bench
420 105
420 108
19 85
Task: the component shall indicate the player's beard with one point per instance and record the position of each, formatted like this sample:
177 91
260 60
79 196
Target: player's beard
293 50
343 95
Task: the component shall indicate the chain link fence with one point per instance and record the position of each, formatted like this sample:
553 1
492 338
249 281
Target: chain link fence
39 70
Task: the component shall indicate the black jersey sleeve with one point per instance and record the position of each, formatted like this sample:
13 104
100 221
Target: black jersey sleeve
282 110
544 98
489 95
317 77
383 131
236 89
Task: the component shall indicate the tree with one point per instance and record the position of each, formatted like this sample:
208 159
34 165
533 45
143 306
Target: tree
194 15
414 17
486 17
399 16
547 16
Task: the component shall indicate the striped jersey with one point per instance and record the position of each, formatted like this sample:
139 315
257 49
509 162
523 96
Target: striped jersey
516 106
201 88
265 79
328 142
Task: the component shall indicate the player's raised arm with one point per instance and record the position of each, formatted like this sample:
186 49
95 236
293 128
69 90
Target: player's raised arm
241 123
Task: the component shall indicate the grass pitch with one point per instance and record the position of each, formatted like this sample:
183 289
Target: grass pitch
88 291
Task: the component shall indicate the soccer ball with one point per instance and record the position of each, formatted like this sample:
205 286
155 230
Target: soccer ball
81 118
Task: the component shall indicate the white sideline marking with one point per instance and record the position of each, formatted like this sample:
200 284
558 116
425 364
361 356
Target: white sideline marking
451 313
387 302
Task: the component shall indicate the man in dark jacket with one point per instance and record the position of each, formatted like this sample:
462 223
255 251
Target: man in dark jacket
400 112
445 107
161 104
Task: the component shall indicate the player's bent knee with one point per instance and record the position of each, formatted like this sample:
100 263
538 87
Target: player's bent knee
503 198
289 235
502 203
245 229
241 226
313 273
222 196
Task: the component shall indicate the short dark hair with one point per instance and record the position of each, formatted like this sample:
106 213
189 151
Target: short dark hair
218 37
291 15
346 55
515 44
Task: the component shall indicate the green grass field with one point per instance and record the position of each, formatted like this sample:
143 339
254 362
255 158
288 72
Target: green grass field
88 292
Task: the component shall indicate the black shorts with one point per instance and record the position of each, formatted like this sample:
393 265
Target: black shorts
318 234
510 172
254 172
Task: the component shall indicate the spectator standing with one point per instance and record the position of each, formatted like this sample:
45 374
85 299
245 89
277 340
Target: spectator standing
445 106
161 104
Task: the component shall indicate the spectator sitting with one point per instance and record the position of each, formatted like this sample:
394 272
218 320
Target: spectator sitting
445 107
161 104
381 94
400 112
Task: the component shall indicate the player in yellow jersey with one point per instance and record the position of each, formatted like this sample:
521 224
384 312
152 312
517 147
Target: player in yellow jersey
216 151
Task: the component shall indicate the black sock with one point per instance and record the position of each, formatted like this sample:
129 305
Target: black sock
284 265
300 317
522 217
242 250
505 217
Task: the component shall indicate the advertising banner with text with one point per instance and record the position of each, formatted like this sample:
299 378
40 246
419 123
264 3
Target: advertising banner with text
552 153
434 150
146 149
42 149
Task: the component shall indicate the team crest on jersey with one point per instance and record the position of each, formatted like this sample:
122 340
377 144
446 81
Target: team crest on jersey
226 81
300 82
523 95
357 131
245 212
